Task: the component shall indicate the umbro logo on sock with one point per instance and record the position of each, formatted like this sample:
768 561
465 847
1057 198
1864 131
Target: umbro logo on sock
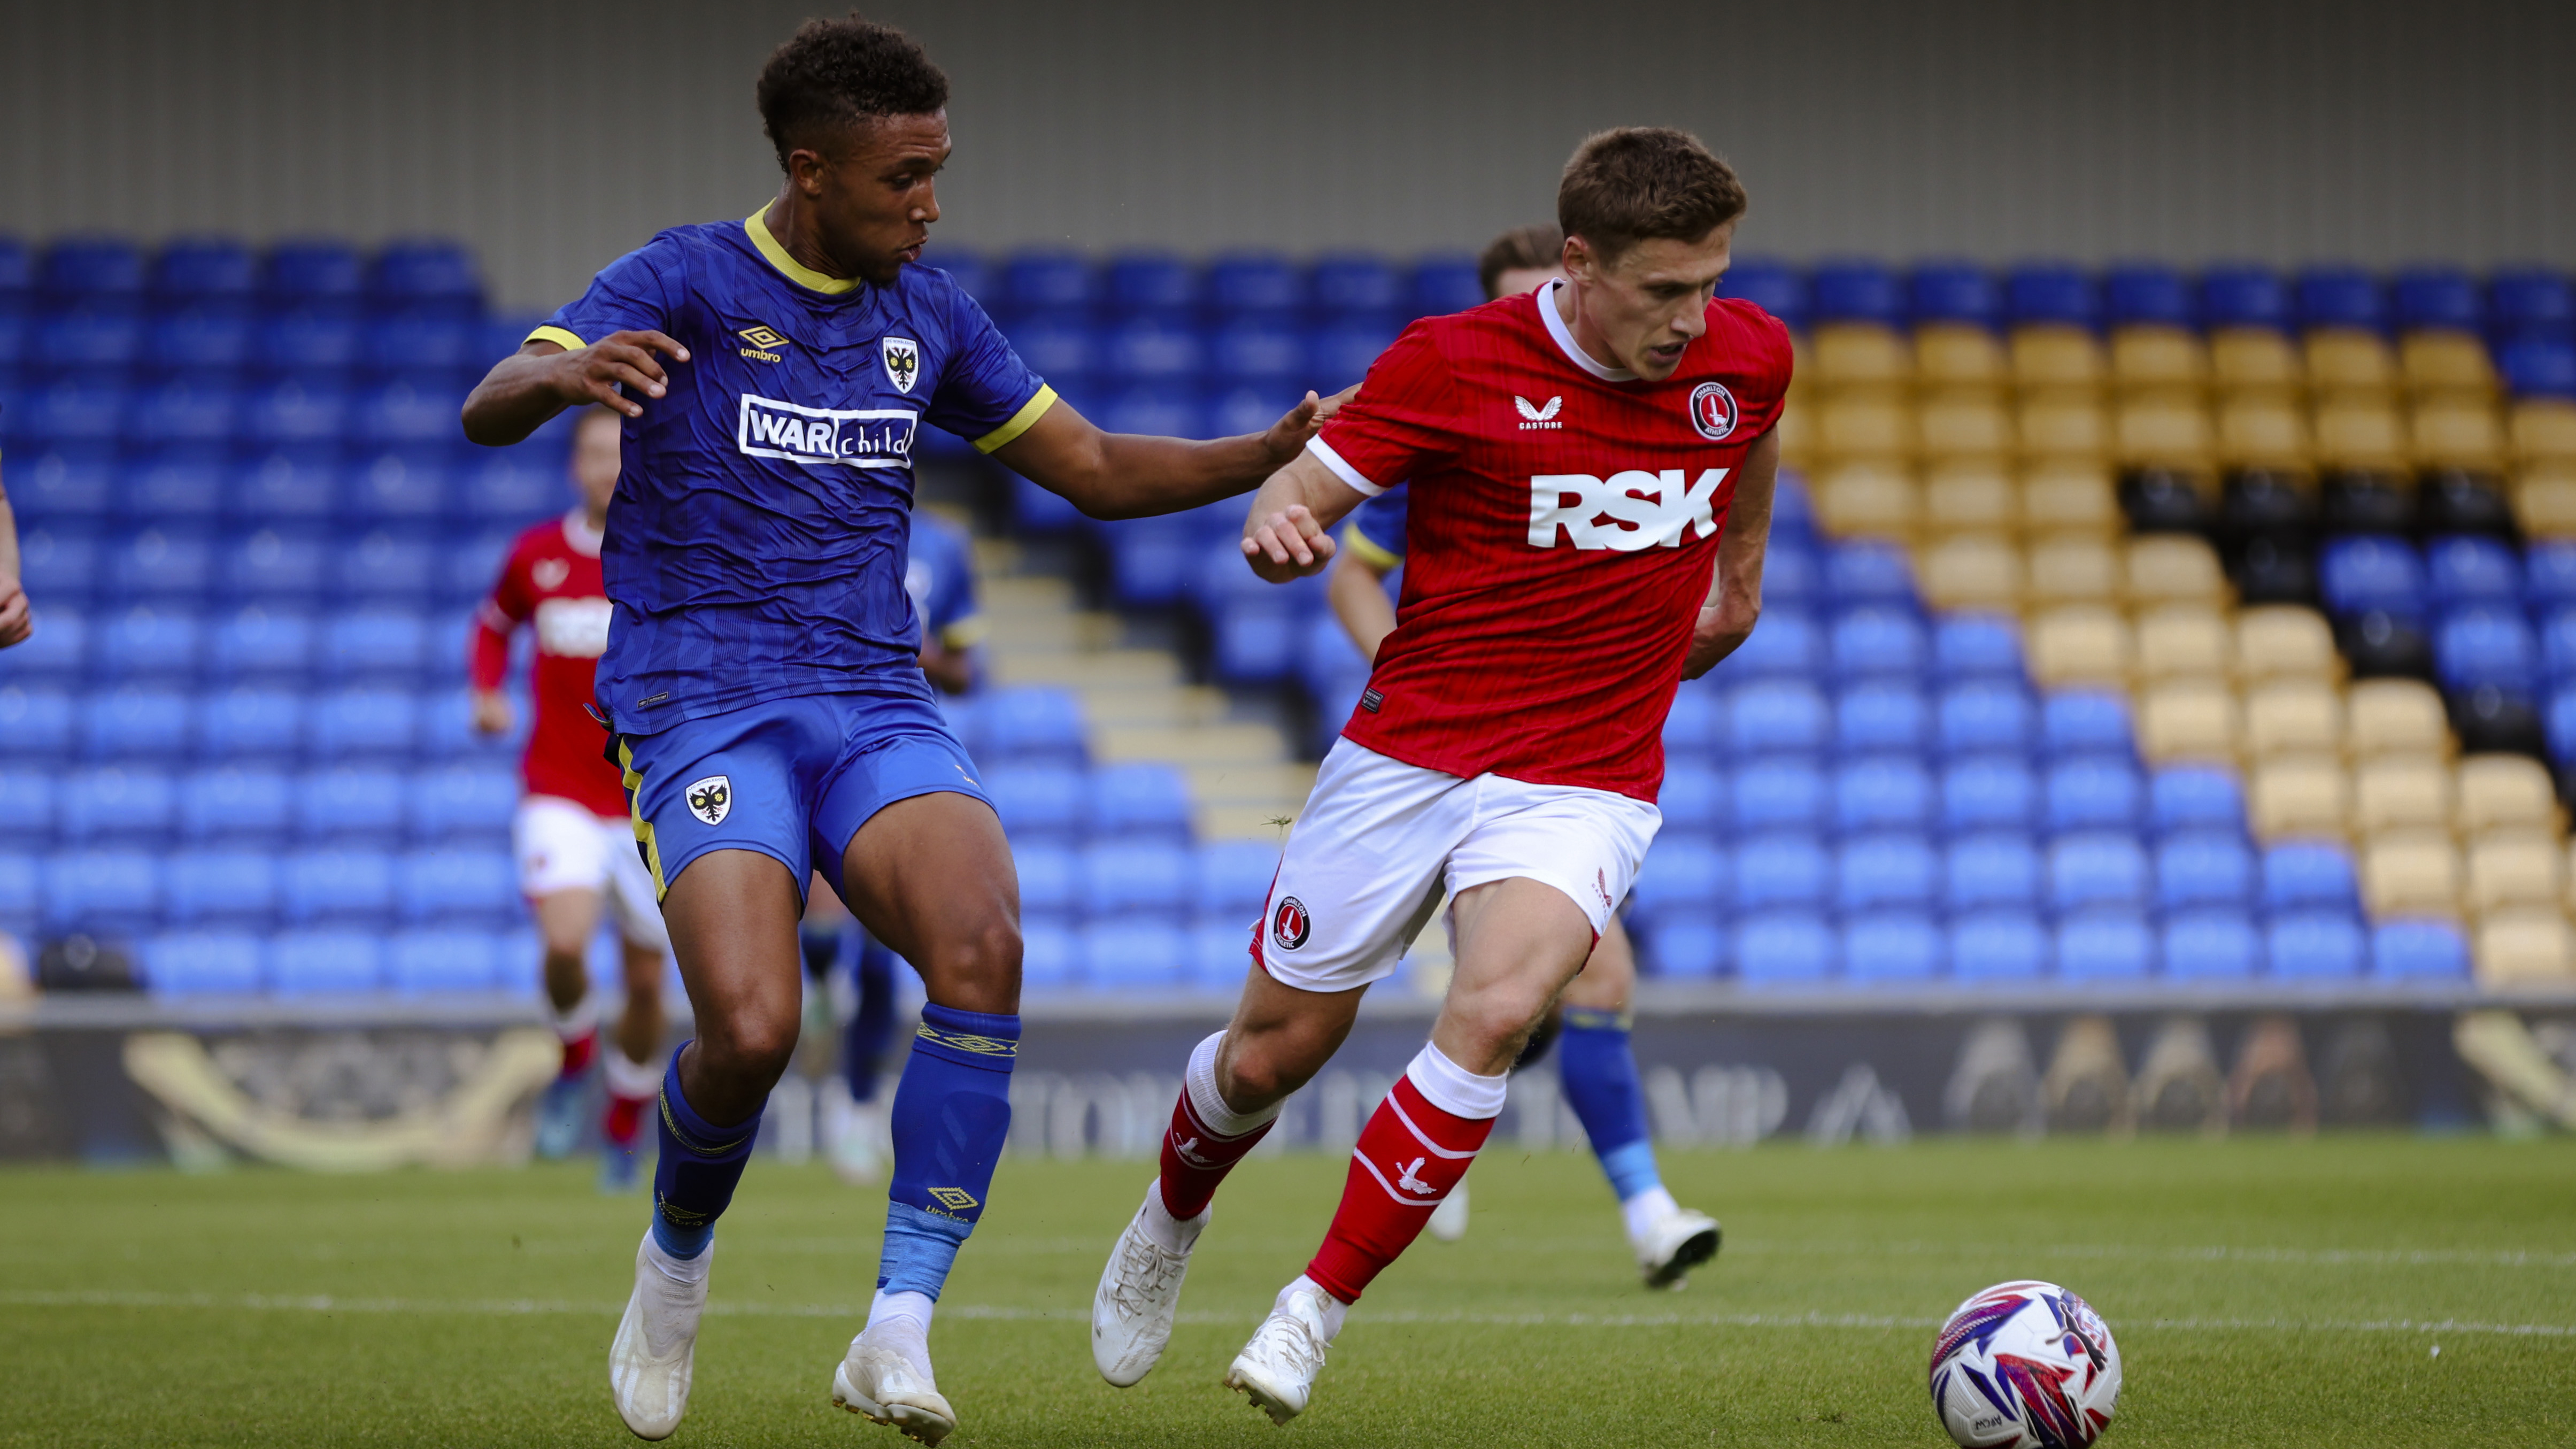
955 1199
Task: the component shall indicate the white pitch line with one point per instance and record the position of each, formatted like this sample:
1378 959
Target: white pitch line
521 1307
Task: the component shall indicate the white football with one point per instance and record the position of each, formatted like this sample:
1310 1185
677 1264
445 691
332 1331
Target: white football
2025 1365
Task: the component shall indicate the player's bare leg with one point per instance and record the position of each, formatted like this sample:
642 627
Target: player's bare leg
631 1066
931 877
566 920
1600 1076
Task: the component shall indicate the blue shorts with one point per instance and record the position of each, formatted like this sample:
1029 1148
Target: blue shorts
791 778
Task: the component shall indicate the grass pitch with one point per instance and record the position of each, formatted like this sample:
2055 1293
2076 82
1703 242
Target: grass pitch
2262 1291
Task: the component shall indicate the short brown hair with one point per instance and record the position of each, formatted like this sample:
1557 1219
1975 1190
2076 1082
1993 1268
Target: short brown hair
1539 244
1636 182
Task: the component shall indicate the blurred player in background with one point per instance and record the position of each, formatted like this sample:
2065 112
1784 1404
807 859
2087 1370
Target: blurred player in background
575 847
1593 465
1592 1019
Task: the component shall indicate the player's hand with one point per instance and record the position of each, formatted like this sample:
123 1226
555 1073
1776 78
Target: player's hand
1324 411
594 374
491 712
1287 437
16 622
1289 544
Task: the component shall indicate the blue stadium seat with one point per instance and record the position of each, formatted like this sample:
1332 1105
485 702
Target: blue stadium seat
1785 948
1989 792
90 340
364 724
249 806
1033 723
2203 868
427 962
307 270
2560 724
1773 286
1892 948
2051 292
311 348
1786 642
2315 946
1793 522
1882 792
2092 792
2096 868
302 963
2418 951
1950 291
376 646
1990 869
1340 353
105 892
75 414
1985 715
2443 299
1254 283
1256 639
1140 799
1868 573
1686 949
134 724
204 339
1999 946
2466 568
2365 571
505 491
35 722
1219 954
1685 877
1151 282
1119 878
1695 725
275 565
1442 284
57 653
1885 871
1694 796
2536 367
2558 644
2146 295
204 963
425 272
2531 302
2105 945
337 885
222 887
160 565
1155 349
2084 721
2341 297
1160 409
1852 289
1777 792
2210 945
2189 797
421 346
196 269
116 805
1048 887
58 564
148 643
463 802
184 418
459 888
387 567
1047 955
1259 352
1232 881
2301 875
400 487
281 491
1776 869
1044 281
177 492
1355 282
250 723
30 792
350 806
1132 955
2487 646
21 887
78 488
1776 715
1877 641
1039 800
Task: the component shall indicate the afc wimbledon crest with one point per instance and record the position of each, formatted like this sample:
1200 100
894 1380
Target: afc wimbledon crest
903 362
710 799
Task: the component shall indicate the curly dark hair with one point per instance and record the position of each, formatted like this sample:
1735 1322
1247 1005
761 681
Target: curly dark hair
834 74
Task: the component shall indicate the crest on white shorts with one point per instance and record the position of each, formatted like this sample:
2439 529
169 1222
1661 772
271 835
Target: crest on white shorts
902 362
710 799
1290 925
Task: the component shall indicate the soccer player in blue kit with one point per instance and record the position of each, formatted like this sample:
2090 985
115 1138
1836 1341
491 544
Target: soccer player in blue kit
762 686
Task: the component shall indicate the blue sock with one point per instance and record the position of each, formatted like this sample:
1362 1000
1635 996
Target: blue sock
952 1113
699 1164
1601 1082
864 1042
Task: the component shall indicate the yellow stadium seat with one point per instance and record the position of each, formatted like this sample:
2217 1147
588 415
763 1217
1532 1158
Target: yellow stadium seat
2079 644
2181 640
1965 426
2411 873
2063 427
1865 425
2544 501
2360 435
2516 868
2402 792
2458 433
2049 355
2294 716
2506 790
2395 717
2254 359
2301 797
1860 354
1970 495
1973 571
2188 720
2168 430
2544 430
2446 362
2344 359
2158 357
1870 498
2073 568
1797 429
2069 495
2256 431
2525 946
1947 354
2285 640
2174 567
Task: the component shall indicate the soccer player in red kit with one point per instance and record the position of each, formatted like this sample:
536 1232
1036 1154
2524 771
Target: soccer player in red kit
1591 469
575 845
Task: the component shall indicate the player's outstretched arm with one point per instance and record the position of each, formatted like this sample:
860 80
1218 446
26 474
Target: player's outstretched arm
1735 596
541 379
1288 534
1129 475
1357 592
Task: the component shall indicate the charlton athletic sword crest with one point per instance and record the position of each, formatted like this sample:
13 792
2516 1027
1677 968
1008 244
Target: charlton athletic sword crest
903 362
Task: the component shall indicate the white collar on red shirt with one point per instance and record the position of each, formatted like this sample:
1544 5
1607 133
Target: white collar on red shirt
1565 342
579 536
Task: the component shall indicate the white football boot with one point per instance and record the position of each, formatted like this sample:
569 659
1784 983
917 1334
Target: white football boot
656 1347
886 1376
1277 1369
1140 1292
1673 1244
1449 1220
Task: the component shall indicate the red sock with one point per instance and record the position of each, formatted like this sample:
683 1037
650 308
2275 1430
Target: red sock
624 1117
578 1050
1196 1159
1408 1157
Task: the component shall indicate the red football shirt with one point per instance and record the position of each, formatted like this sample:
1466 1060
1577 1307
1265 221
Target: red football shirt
553 581
1561 540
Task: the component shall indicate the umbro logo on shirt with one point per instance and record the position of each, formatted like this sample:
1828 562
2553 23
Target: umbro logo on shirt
1533 416
763 342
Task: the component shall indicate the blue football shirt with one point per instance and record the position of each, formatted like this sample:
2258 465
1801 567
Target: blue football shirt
758 541
940 576
1376 529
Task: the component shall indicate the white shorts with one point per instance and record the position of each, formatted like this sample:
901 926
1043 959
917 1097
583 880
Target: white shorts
1381 841
563 847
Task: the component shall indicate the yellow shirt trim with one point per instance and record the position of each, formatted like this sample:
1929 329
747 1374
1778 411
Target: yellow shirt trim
1369 551
965 633
797 272
555 335
1021 421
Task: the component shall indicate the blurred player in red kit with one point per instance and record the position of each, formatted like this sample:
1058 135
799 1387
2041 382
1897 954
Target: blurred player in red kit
575 844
